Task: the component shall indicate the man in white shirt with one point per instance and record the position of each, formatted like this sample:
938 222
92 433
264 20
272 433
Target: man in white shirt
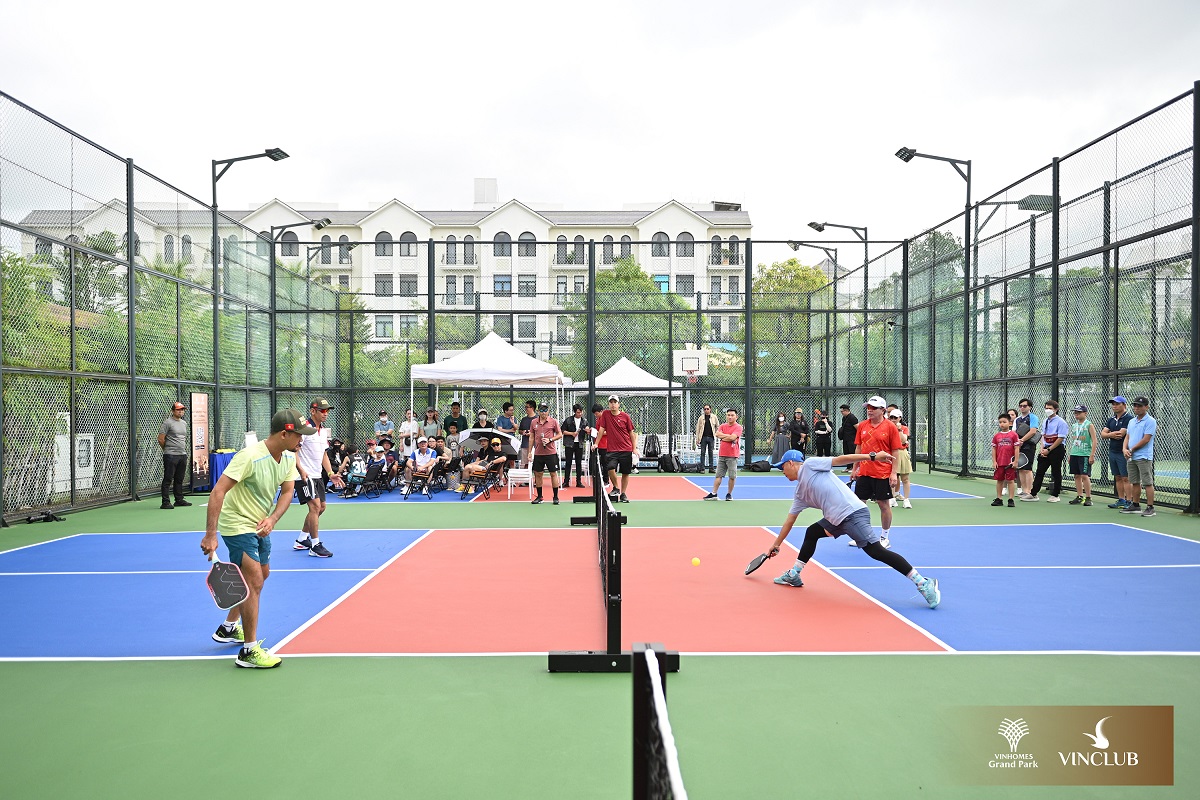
422 460
311 459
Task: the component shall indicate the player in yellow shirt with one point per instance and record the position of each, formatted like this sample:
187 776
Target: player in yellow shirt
240 508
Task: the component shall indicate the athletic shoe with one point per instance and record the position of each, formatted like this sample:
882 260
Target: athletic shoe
179 503
254 657
852 543
578 485
1149 512
615 495
1117 504
908 503
556 501
302 544
165 506
1011 504
929 588
891 502
789 578
710 496
1077 501
1087 502
1052 499
235 636
536 500
320 551
728 496
1132 508
886 542
624 499
997 502
1029 498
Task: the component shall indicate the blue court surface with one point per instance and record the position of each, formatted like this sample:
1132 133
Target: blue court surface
1028 588
144 594
762 486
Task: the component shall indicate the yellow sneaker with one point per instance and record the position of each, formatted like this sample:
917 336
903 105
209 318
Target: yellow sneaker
254 657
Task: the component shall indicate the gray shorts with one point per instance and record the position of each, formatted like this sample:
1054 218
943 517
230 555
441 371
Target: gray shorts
857 526
727 465
1141 471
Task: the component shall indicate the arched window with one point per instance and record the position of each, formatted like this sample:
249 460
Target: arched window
289 244
714 254
685 245
185 249
468 256
262 245
42 249
383 243
503 245
560 250
408 244
580 250
734 251
626 246
451 252
233 250
137 244
606 253
168 248
344 250
527 245
326 250
661 245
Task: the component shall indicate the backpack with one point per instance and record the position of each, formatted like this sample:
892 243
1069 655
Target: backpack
1023 428
651 449
669 463
760 466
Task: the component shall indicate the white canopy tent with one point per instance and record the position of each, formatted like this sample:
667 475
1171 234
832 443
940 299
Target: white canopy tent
626 378
491 362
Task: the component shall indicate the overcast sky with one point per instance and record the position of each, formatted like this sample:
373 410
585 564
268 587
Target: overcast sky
792 108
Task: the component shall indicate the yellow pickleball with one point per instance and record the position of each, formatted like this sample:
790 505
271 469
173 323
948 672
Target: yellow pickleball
695 562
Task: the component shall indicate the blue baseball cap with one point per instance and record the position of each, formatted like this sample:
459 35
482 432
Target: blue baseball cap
790 455
1117 399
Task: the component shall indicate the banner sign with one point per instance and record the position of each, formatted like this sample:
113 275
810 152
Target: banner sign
200 468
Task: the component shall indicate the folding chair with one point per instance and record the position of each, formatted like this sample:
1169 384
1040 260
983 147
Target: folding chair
516 476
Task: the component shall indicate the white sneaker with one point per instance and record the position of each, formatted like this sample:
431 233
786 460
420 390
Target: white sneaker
1051 499
886 542
907 504
892 502
853 543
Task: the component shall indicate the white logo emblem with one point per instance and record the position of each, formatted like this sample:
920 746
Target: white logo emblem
1013 730
1100 741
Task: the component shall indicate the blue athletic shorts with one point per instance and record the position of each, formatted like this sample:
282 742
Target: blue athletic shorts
253 545
1118 465
857 526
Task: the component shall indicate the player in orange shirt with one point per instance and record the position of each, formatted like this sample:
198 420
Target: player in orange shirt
876 480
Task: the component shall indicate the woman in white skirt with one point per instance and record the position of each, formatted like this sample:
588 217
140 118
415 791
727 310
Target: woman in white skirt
904 462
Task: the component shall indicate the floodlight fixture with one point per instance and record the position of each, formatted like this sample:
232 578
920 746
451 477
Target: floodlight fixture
275 154
1036 202
905 154
819 227
322 222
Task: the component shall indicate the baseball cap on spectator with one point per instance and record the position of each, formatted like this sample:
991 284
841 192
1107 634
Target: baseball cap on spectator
896 413
612 397
543 407
875 402
422 439
321 404
1118 399
378 449
496 440
1080 408
290 420
336 440
1141 401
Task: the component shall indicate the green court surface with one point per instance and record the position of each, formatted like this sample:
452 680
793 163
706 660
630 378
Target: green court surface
451 727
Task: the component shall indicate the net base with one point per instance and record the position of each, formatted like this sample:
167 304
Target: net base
600 661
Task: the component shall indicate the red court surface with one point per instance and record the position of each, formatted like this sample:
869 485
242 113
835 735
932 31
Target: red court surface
532 591
669 487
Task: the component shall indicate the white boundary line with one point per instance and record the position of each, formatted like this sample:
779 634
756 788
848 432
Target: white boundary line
181 571
879 603
1069 566
689 654
304 626
39 544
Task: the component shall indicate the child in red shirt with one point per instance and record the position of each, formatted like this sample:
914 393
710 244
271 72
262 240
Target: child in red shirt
1004 454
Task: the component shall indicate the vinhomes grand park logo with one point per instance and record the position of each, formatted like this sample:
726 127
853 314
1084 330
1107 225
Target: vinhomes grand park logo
1063 745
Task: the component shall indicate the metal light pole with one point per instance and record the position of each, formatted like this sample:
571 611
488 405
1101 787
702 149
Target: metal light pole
275 154
907 154
861 233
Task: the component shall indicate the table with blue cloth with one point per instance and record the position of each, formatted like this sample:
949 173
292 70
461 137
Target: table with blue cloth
217 462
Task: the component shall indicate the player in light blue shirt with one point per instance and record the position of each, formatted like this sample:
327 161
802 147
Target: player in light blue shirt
818 487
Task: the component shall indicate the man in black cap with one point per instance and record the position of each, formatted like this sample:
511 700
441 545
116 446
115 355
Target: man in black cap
313 463
544 433
240 508
173 439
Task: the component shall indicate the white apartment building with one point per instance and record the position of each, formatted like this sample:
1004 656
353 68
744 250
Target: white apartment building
382 253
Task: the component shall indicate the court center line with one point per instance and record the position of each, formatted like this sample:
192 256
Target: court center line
304 626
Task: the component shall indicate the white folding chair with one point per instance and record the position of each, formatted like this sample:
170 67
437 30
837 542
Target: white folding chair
516 476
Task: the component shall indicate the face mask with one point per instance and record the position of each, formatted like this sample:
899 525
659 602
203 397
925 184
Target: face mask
1050 412
781 419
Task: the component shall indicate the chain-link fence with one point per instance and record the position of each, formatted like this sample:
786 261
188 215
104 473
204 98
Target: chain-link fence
122 294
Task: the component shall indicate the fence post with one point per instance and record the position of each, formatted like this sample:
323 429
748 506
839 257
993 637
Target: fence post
748 412
431 333
968 296
1055 234
1193 506
590 360
130 293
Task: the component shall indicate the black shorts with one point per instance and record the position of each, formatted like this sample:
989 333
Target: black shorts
309 490
873 488
619 462
1029 450
543 463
